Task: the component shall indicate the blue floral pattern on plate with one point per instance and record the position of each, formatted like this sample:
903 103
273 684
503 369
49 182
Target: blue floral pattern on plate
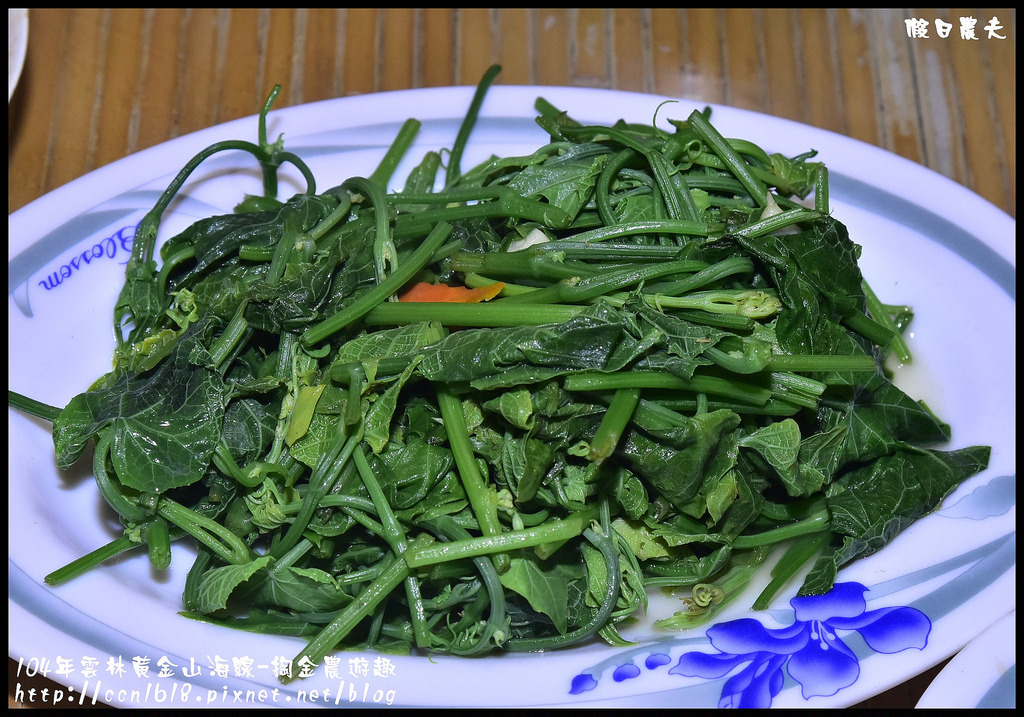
814 645
811 649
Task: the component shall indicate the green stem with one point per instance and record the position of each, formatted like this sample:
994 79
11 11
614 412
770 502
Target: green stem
490 314
191 593
506 204
726 588
230 338
480 493
327 472
778 222
395 537
332 219
660 380
814 523
795 557
226 464
700 404
708 275
364 605
877 311
757 357
873 331
744 146
721 147
290 230
109 487
821 198
145 236
554 531
454 171
794 389
822 362
677 200
171 263
595 286
477 281
613 424
451 196
158 543
496 628
345 373
292 556
384 253
526 264
380 292
356 381
681 227
386 169
606 544
90 560
210 533
747 303
729 322
32 407
610 251
394 534
602 191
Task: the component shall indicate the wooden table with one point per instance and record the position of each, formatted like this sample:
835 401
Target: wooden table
101 84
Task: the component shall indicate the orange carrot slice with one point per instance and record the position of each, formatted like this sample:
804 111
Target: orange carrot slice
425 292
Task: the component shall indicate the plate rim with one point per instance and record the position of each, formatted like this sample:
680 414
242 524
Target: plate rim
17 47
1005 249
944 690
197 138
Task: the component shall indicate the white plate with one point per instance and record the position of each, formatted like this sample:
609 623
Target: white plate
983 675
17 46
926 242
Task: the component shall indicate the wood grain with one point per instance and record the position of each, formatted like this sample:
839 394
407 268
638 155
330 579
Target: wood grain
101 84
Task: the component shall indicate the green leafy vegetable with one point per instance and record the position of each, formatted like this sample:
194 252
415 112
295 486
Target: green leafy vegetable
676 375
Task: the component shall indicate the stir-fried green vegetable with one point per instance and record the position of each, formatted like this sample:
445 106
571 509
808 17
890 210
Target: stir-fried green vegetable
493 415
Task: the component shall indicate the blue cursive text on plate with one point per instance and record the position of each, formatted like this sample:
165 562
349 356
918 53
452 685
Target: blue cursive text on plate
118 244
